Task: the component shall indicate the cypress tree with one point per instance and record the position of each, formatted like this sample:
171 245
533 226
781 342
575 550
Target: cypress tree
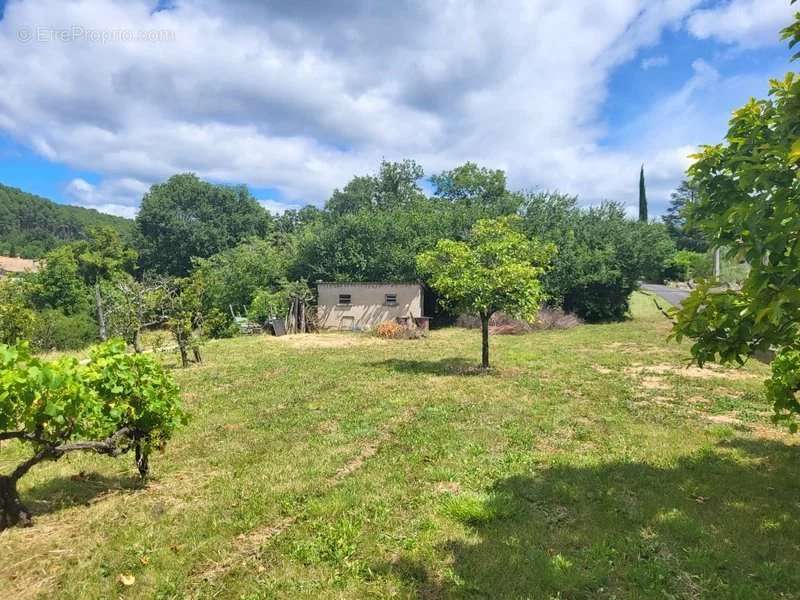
642 197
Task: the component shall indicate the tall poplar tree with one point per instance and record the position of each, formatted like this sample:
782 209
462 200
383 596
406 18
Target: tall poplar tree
642 197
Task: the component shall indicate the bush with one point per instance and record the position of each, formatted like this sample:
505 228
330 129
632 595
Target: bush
17 319
267 305
602 254
600 301
685 265
218 324
56 331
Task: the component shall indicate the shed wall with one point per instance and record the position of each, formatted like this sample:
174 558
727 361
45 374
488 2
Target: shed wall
368 305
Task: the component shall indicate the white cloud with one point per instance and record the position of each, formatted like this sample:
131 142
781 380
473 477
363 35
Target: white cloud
113 196
276 207
746 23
654 61
301 98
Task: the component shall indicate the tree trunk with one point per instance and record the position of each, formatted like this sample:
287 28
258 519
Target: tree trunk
184 354
485 340
12 512
137 341
302 317
142 461
101 315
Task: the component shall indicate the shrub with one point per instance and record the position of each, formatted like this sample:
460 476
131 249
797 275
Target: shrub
56 331
218 324
556 318
267 305
685 265
601 255
17 319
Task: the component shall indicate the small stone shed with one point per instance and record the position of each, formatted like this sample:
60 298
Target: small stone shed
362 306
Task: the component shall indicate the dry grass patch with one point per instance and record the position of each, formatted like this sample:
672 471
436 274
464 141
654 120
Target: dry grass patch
313 341
708 372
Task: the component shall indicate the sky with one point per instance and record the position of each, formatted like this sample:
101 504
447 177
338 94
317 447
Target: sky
99 99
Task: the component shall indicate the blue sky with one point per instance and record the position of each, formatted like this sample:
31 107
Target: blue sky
101 99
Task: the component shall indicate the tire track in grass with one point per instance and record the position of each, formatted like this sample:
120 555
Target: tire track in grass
248 544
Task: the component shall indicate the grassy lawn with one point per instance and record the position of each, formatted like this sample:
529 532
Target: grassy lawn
588 464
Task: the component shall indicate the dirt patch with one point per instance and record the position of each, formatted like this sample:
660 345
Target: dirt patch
698 400
602 370
246 546
447 487
311 341
708 372
328 427
654 383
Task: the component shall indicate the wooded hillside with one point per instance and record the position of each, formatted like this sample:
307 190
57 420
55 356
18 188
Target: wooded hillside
30 226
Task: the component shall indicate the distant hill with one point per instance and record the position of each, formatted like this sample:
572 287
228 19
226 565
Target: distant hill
31 226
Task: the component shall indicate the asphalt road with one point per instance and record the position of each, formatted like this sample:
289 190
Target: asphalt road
671 295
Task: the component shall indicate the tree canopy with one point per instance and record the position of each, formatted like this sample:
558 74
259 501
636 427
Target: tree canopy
187 218
496 269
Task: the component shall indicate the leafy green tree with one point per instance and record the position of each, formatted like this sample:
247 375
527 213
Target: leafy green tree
17 318
187 218
370 244
601 256
748 200
481 191
293 221
496 269
103 257
355 196
395 185
232 277
685 236
114 403
642 197
58 284
654 250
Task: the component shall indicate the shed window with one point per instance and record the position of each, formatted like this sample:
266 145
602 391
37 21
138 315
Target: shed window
344 298
390 299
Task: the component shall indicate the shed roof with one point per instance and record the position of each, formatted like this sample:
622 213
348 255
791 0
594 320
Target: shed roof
370 283
13 264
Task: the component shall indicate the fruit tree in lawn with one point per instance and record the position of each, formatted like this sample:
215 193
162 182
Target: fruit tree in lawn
496 269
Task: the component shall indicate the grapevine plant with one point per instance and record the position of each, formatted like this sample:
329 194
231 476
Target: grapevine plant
111 404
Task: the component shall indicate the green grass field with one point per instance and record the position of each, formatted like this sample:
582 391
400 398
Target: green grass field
588 464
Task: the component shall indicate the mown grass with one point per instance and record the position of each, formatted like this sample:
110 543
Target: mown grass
588 464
